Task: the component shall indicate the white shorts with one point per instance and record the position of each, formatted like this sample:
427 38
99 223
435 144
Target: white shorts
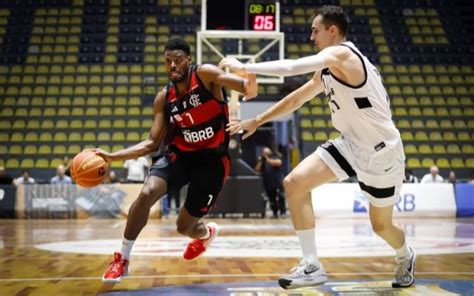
380 173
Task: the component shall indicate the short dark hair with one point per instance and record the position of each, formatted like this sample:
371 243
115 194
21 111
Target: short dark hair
334 15
176 43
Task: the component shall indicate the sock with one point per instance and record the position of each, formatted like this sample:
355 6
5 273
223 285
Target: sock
307 240
207 235
403 252
127 246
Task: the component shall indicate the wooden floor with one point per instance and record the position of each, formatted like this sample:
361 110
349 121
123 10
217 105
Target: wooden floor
27 270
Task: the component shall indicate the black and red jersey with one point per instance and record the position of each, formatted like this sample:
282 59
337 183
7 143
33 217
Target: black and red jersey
199 119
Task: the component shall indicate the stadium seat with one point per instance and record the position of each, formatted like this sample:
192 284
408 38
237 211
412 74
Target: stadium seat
407 136
411 149
421 136
425 149
46 136
457 163
417 123
307 136
15 150
103 137
89 137
61 137
118 137
133 137
73 149
27 163
470 163
12 164
90 124
44 150
56 162
427 162
439 149
465 149
453 149
41 163
413 163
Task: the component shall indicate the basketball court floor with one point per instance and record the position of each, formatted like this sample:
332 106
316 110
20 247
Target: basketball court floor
68 257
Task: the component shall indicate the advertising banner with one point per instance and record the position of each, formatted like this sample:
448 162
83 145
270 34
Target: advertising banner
416 200
72 201
7 201
465 200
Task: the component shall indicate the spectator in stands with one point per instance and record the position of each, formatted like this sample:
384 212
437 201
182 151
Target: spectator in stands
269 165
66 163
452 177
471 179
111 178
24 179
433 176
136 169
5 178
61 177
409 177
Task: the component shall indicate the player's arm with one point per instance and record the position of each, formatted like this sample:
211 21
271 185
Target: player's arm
157 132
288 104
333 56
217 78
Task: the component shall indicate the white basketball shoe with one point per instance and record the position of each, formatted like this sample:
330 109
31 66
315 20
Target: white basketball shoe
303 275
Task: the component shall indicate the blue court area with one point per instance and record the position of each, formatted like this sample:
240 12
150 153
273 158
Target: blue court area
422 287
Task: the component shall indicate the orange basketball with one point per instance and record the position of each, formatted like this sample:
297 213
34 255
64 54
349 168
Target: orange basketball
88 169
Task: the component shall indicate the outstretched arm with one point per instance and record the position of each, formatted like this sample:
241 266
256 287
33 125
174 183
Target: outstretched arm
288 104
157 132
329 57
215 77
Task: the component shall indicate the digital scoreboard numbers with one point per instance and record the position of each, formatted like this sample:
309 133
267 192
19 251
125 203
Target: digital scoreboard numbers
261 16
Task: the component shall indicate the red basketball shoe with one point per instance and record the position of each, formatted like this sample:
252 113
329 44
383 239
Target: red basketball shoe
117 269
197 247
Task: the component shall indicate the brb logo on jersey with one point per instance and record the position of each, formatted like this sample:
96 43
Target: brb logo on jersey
201 135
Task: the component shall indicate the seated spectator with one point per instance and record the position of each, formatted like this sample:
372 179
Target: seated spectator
67 166
136 169
24 179
5 178
452 177
61 177
111 178
432 177
409 177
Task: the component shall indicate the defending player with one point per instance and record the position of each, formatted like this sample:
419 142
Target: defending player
369 147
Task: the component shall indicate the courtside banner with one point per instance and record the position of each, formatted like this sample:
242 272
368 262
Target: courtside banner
72 201
416 200
465 200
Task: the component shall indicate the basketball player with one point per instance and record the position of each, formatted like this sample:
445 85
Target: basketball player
369 147
196 151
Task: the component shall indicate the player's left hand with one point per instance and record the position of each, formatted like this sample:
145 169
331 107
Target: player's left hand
251 87
234 65
249 126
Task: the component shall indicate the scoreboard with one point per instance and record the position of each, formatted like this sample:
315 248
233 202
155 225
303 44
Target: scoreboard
252 15
261 16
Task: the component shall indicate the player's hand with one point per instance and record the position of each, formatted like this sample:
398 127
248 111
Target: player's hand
251 87
234 65
105 155
248 126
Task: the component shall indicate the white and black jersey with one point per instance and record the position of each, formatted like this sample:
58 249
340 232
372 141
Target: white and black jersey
361 113
370 147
